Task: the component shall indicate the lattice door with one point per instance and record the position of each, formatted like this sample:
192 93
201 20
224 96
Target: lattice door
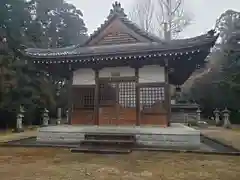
151 97
152 105
108 99
117 101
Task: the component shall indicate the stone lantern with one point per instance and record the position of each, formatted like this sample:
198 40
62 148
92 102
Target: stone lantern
198 114
177 93
45 117
216 113
20 116
226 115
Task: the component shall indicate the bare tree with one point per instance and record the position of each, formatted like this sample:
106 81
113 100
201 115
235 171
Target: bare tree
142 14
166 18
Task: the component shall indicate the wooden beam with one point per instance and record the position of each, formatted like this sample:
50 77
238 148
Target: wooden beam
154 113
138 116
167 91
118 79
84 86
96 98
155 84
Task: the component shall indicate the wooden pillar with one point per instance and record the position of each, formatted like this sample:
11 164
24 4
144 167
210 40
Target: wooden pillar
96 98
167 91
138 116
70 92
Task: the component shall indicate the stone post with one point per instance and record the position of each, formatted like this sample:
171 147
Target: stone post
198 114
59 116
45 117
185 116
216 113
226 114
20 116
67 115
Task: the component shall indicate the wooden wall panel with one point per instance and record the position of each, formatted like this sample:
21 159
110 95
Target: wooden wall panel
109 116
154 119
82 117
116 38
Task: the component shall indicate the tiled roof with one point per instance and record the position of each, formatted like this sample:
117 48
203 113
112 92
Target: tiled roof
154 45
206 40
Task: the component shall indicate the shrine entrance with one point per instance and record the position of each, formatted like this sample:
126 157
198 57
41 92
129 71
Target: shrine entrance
117 102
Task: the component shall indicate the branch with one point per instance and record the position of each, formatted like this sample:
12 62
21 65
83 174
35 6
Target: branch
179 3
142 14
151 16
162 14
164 3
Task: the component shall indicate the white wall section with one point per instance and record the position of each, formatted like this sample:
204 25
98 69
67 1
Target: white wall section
123 71
147 74
84 77
151 74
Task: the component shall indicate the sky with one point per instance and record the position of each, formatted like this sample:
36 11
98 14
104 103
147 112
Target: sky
204 13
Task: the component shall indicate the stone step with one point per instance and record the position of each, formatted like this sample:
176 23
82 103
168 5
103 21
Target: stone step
109 136
105 141
99 150
108 143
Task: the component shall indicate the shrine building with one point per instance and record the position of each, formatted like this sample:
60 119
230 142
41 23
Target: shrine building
121 75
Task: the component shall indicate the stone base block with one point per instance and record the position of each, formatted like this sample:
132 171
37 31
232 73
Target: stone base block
177 135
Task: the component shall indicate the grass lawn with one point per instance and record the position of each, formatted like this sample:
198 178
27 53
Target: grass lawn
9 136
236 129
4 132
59 164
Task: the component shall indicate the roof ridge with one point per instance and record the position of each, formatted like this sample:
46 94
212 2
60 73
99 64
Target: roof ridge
105 23
208 34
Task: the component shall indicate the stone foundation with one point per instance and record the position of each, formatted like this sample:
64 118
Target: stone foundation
177 135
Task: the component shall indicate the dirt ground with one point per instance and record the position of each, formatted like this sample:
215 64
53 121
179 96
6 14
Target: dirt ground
227 136
59 164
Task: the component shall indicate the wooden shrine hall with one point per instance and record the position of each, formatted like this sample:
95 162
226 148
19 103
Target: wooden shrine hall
121 74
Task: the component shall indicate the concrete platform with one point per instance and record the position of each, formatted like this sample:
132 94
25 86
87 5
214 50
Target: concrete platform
177 136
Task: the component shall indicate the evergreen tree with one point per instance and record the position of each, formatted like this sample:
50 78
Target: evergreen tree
35 23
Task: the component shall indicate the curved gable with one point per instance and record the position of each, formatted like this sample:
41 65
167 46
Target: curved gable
117 29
